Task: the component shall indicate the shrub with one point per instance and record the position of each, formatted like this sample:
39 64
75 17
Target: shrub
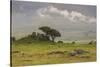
91 42
60 41
73 42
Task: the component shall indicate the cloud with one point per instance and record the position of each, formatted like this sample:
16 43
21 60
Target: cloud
92 20
74 16
51 11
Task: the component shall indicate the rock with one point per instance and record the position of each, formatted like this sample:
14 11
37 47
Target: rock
72 53
77 52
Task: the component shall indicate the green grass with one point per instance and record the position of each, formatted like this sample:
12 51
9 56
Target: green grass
37 53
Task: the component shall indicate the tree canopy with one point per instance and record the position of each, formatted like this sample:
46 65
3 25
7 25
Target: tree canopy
52 33
45 29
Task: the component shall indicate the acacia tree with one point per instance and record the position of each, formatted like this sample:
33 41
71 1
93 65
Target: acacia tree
51 33
45 29
54 33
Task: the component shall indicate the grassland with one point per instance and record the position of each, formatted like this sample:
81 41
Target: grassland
50 53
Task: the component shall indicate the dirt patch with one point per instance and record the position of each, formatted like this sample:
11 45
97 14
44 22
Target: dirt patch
57 52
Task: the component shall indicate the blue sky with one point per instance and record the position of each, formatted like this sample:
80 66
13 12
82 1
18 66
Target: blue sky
73 21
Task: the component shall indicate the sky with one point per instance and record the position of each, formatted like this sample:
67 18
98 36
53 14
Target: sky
74 22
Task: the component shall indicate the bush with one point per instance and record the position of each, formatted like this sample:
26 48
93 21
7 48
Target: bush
60 41
91 42
73 42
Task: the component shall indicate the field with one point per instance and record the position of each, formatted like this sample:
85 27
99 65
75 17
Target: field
51 53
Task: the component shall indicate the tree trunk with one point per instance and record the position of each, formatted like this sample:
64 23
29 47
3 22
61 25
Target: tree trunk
53 38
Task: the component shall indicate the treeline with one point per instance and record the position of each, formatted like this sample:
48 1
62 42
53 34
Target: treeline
49 34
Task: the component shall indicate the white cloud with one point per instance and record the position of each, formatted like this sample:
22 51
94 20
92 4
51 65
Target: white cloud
74 16
92 20
51 11
77 16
